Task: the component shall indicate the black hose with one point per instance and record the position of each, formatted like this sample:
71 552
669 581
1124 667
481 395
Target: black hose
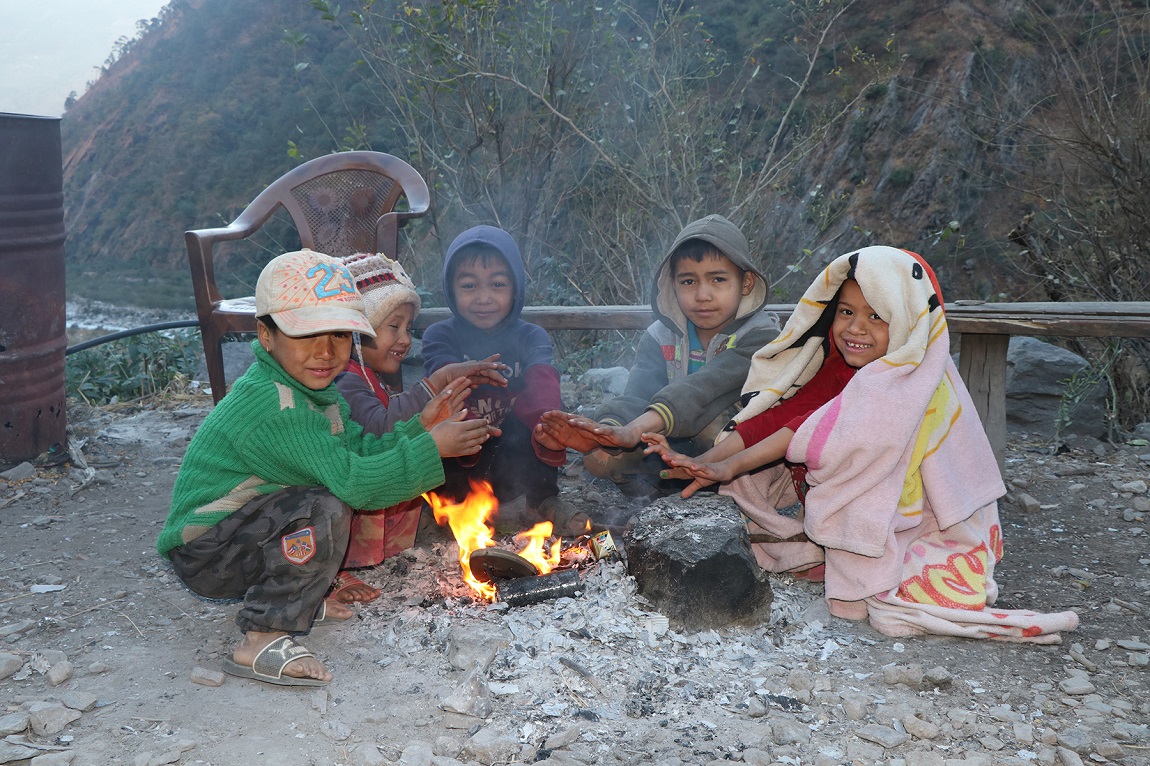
129 333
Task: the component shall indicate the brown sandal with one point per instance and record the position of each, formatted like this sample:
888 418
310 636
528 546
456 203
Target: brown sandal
345 580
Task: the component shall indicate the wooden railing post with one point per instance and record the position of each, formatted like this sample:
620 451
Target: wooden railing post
982 365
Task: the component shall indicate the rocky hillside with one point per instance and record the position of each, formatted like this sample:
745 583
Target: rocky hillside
200 113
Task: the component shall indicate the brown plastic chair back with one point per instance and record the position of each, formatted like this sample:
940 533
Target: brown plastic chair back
341 204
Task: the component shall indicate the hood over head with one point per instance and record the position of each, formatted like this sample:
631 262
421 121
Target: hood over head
495 239
728 240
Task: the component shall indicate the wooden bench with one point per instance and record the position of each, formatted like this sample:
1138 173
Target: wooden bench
982 329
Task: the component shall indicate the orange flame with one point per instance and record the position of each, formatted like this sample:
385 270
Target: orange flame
533 541
470 523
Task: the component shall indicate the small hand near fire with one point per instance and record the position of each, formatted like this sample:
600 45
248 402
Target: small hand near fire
487 371
443 417
557 430
686 467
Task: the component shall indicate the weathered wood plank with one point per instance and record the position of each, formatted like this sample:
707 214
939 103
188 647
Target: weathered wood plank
982 365
1069 320
984 328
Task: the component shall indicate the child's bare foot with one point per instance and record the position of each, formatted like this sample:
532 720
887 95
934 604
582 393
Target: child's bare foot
349 589
302 667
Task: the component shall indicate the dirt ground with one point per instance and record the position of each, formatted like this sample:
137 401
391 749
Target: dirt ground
102 651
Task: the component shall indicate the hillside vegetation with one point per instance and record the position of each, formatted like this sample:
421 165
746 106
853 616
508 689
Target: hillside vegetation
1004 142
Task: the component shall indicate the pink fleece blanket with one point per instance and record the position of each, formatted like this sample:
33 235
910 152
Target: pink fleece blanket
902 504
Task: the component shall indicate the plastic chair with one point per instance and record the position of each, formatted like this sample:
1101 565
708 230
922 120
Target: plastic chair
341 204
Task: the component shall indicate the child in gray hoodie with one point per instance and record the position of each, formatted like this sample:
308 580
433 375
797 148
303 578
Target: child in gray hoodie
690 364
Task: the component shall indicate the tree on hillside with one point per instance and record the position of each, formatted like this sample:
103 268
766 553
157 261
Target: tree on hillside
595 131
1088 173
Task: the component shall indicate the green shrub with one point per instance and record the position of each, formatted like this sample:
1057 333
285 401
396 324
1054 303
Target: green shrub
132 368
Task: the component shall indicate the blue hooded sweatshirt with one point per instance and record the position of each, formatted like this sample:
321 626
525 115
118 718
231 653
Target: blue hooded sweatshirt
532 381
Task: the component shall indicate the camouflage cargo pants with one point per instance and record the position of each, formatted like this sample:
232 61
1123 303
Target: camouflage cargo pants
279 553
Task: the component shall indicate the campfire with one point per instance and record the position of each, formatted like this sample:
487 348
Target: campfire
546 566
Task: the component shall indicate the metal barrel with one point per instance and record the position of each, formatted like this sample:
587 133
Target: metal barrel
33 323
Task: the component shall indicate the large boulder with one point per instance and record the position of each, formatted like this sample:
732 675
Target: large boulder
1049 391
692 559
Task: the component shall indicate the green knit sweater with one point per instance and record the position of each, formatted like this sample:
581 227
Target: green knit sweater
272 432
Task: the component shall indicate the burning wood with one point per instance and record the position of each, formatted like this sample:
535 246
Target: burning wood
541 569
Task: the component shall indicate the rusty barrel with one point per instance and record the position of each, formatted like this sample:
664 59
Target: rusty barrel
33 323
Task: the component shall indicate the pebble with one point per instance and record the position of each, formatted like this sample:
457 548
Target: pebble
920 729
1076 685
207 677
13 723
885 736
1075 739
81 701
1028 504
1138 487
9 664
1069 757
19 473
59 673
47 718
59 758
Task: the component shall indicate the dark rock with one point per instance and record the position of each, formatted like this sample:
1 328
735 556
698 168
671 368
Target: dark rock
1045 382
692 559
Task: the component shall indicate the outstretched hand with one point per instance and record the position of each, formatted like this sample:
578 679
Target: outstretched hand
590 432
685 467
456 437
446 403
555 432
489 371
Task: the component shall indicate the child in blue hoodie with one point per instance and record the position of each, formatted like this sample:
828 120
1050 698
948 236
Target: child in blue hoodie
484 284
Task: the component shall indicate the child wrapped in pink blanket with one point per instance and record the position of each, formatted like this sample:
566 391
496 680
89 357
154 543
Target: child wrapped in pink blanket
883 446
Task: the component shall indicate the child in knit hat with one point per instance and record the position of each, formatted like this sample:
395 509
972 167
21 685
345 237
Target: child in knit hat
263 501
391 304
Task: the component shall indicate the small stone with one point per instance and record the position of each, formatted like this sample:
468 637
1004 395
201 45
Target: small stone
1076 686
1138 487
10 753
787 731
994 744
207 677
1138 659
336 730
19 473
1110 750
13 723
916 727
9 664
1069 757
47 718
1077 740
59 758
59 673
16 628
416 754
561 739
1023 732
52 656
81 701
98 668
755 757
489 746
882 735
1028 504
924 758
366 754
1133 646
938 677
855 707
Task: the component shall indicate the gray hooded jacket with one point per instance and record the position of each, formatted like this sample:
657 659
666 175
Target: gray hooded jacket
659 379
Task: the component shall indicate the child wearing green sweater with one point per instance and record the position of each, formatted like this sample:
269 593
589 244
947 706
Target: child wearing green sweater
261 507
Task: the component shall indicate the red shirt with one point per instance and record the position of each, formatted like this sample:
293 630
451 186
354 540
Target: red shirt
827 383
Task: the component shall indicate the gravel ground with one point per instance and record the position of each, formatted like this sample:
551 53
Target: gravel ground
106 659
